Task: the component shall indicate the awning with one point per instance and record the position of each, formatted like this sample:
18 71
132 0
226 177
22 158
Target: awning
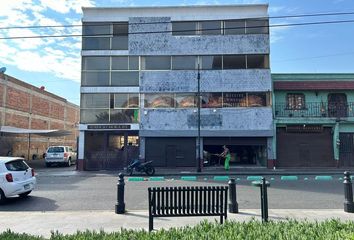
47 133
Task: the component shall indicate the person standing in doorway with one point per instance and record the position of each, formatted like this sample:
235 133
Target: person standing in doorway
226 154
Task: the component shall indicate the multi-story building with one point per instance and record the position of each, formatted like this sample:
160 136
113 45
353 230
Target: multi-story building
314 118
26 108
139 87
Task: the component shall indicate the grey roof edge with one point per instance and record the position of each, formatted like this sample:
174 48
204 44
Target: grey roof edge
181 6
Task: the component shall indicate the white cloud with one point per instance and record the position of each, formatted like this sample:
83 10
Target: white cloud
57 56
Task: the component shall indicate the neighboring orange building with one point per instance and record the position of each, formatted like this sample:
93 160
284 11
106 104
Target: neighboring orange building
25 106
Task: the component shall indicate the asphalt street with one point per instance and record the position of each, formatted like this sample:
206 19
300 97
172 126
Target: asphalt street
63 189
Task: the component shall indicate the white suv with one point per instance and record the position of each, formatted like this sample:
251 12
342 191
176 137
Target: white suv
60 155
16 178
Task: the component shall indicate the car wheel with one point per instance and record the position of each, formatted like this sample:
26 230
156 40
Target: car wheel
69 162
25 194
2 197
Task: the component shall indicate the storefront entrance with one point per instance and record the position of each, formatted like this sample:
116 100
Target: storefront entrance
244 151
110 150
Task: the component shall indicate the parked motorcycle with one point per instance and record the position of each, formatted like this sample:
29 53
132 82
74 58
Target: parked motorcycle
138 166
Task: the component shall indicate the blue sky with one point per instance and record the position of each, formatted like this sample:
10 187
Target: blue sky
55 63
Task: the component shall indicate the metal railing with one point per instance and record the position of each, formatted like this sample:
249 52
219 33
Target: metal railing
315 109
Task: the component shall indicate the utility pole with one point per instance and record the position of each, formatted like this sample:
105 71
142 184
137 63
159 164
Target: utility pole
198 139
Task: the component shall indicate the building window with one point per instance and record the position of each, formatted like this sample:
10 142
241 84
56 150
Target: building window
234 100
234 62
156 63
211 62
227 27
184 62
126 100
234 27
96 35
186 100
210 28
125 63
160 101
94 100
95 79
257 100
184 28
211 100
125 78
257 61
95 63
257 26
120 36
295 101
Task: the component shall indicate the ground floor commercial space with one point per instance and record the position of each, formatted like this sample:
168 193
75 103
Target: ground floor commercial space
314 145
116 148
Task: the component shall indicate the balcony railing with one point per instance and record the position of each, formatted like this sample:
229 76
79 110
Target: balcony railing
317 109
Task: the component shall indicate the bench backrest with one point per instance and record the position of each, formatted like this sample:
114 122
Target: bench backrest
165 201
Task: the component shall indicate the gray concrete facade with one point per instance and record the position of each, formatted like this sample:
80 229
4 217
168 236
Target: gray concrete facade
150 35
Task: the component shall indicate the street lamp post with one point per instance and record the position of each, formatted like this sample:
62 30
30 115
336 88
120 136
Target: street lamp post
198 139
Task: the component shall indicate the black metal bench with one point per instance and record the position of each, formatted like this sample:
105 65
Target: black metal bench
187 202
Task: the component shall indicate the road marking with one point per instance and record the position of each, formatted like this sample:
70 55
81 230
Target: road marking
324 178
289 178
189 178
136 179
221 178
306 178
156 179
238 179
254 178
272 179
340 179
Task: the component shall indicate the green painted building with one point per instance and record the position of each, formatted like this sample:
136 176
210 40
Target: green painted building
313 120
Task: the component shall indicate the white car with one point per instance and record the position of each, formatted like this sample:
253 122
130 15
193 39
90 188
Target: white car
60 155
16 178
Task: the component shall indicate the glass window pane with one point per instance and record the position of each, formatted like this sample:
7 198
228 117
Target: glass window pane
95 79
257 26
125 100
94 115
211 62
257 99
96 28
211 100
95 43
186 100
120 43
95 63
119 63
125 79
184 28
125 116
235 27
160 101
120 29
94 100
210 27
156 63
133 63
183 62
234 62
234 100
257 61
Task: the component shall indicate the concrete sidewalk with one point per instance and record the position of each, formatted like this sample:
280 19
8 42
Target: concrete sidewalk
68 222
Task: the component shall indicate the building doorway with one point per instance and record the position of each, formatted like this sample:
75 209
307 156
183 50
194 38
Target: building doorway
337 105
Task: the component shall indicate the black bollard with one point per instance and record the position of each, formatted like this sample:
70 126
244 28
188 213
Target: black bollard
233 205
264 200
120 205
348 193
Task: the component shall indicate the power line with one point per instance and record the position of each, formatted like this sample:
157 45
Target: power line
143 23
314 57
179 31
